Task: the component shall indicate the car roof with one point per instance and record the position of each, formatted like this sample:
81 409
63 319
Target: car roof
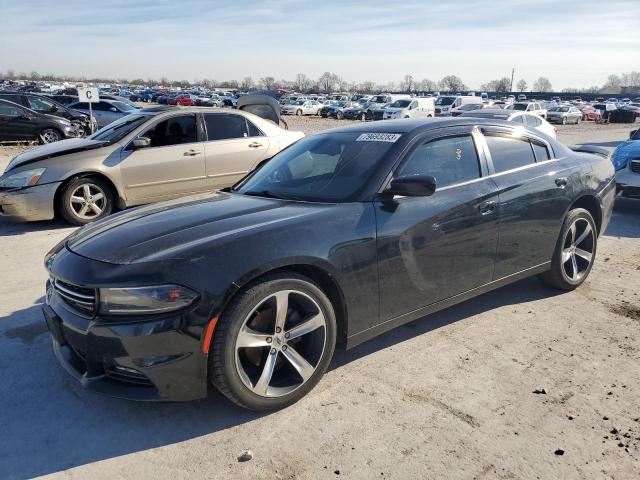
416 125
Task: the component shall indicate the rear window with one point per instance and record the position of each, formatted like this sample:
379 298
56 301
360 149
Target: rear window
509 152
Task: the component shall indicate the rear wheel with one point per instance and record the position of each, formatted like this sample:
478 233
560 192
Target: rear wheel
339 115
574 253
273 343
578 120
85 200
363 117
298 112
50 135
564 120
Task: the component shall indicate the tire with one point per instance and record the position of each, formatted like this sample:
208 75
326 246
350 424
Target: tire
298 113
339 115
96 207
562 274
49 135
363 117
564 120
318 113
237 371
578 120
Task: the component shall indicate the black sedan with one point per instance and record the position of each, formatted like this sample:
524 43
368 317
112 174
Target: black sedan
18 123
339 238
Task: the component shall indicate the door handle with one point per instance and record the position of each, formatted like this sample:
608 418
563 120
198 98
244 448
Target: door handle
561 182
255 145
487 207
191 153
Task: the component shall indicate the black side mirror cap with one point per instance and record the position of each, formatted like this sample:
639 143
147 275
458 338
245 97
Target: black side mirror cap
412 186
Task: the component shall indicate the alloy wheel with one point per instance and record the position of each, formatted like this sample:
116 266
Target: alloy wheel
280 343
49 136
88 201
577 249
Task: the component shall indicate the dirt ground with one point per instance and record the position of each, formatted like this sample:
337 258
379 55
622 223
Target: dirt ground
452 395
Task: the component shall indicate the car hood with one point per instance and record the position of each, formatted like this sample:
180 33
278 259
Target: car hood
170 230
63 147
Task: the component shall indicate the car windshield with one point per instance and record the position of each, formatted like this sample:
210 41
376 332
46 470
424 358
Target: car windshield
331 167
401 104
299 102
120 128
559 109
517 106
378 99
125 107
445 100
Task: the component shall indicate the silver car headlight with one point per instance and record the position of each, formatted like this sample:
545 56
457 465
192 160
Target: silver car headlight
145 300
26 178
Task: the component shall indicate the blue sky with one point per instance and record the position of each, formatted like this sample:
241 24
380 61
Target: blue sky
575 43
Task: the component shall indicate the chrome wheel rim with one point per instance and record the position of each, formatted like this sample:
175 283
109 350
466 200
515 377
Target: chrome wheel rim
50 136
280 343
577 249
88 201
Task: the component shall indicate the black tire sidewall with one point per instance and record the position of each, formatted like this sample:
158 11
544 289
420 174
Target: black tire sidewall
232 320
68 189
557 266
41 137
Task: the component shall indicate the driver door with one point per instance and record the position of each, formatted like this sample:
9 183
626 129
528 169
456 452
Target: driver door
173 165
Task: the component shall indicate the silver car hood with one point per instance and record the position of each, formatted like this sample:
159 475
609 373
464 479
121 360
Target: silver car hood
63 147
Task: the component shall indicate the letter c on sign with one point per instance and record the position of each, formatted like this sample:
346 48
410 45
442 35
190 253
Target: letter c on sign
89 95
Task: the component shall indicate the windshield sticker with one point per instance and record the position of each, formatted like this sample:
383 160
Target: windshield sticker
379 137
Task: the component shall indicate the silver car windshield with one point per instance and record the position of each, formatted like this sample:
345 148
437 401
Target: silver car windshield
120 128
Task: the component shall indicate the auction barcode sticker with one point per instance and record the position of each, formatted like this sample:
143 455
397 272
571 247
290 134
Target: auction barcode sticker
378 137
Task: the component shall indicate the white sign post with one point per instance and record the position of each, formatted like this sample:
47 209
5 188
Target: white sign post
89 95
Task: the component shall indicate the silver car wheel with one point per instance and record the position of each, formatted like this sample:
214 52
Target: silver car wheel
49 136
577 250
280 343
88 201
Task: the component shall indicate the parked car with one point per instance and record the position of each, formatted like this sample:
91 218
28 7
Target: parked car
183 99
590 113
564 114
456 112
626 161
421 107
209 100
530 107
19 123
142 158
522 97
338 239
530 120
48 106
302 107
141 97
105 111
117 98
336 109
446 103
605 109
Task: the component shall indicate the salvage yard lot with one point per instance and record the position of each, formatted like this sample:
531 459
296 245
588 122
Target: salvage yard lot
450 395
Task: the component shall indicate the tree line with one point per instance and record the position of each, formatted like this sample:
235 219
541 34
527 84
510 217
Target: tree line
331 82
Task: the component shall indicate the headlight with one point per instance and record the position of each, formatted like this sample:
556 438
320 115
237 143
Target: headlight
145 300
63 121
27 178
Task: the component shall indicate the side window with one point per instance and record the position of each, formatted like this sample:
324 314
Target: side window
41 104
531 120
457 103
9 110
173 131
450 160
224 126
81 106
253 130
509 152
541 151
518 119
100 106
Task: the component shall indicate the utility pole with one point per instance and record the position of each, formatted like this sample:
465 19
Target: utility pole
513 70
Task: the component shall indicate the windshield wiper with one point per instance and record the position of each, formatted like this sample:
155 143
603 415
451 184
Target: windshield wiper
269 194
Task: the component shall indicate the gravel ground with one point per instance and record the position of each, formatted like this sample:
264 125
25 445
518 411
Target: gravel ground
452 395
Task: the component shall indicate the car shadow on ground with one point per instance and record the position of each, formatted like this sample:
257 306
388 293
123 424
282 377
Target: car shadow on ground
625 221
12 228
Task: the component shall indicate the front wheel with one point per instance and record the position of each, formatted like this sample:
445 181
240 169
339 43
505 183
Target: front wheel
50 135
85 200
273 342
339 115
298 112
564 120
574 253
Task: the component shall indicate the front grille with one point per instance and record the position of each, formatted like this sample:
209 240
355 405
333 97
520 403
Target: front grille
635 166
81 299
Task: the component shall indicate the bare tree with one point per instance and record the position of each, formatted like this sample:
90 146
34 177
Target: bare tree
452 83
521 85
426 85
268 82
542 84
408 83
328 81
501 85
613 81
247 83
302 83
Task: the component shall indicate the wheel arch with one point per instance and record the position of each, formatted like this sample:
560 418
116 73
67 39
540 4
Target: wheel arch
94 174
319 275
590 203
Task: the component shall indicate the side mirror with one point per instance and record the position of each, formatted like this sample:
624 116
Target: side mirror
412 186
632 133
141 142
113 109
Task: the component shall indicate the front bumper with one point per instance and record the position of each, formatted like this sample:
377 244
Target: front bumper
29 204
159 358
